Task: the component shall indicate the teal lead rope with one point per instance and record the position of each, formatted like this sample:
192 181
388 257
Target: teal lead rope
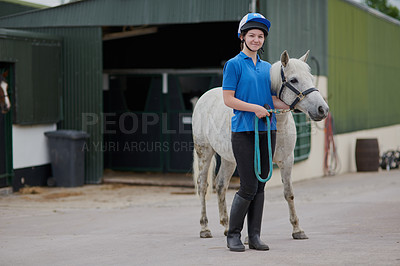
257 156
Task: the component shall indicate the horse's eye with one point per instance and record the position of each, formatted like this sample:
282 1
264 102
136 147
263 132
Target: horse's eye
294 80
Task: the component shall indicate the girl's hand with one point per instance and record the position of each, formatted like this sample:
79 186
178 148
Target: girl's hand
261 111
231 101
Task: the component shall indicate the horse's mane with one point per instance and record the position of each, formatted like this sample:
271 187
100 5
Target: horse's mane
276 80
275 72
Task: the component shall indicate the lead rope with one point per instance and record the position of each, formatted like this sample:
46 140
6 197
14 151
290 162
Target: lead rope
257 155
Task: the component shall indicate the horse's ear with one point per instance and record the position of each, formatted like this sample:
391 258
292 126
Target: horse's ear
305 56
284 58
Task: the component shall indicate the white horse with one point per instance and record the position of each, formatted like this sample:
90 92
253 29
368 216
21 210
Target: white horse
292 81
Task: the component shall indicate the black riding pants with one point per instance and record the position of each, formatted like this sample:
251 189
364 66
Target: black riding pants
243 150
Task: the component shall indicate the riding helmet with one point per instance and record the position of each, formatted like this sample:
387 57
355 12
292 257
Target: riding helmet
254 21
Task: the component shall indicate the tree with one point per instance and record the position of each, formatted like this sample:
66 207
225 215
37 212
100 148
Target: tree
384 7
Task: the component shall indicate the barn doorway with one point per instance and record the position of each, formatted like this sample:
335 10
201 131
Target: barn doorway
152 74
6 163
148 117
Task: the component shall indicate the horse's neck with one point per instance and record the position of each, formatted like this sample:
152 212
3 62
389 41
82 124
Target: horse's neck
284 121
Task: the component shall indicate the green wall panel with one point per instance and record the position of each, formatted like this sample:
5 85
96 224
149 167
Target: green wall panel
36 58
82 68
364 53
297 26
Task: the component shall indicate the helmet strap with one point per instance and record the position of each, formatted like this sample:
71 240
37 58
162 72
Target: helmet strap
261 50
248 46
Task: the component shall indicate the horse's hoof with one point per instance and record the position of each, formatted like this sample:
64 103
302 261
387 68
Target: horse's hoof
205 234
299 235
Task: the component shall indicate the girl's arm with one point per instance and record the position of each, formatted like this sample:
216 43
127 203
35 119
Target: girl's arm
231 101
278 104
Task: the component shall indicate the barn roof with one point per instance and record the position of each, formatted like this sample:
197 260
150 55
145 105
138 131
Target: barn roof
122 12
373 11
24 3
20 34
8 7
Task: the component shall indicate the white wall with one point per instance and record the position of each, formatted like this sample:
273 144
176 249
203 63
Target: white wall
30 145
388 139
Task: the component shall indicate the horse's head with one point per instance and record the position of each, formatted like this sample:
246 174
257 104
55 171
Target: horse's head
4 100
293 83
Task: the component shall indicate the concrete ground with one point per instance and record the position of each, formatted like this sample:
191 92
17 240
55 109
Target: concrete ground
351 219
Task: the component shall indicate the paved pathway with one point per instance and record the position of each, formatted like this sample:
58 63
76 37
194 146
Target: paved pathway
351 219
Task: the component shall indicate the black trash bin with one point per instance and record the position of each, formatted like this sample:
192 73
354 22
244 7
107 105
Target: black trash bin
67 157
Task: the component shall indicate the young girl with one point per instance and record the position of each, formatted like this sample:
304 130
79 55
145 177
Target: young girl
247 89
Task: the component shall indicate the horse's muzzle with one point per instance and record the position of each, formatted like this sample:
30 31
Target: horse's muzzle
320 114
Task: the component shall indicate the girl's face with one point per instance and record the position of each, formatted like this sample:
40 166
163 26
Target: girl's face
254 39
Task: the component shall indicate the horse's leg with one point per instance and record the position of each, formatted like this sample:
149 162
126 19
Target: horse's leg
286 171
222 182
205 154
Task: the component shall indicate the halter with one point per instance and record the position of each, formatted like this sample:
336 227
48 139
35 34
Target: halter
300 95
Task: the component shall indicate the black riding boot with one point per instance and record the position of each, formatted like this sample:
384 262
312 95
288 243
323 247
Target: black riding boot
236 220
254 218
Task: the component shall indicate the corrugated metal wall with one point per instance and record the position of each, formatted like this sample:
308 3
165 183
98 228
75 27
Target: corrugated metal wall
82 90
37 66
46 84
297 26
364 66
138 12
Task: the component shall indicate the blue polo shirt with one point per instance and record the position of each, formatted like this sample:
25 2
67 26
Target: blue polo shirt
252 84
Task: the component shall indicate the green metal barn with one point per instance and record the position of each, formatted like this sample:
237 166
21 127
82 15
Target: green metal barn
8 7
363 62
164 47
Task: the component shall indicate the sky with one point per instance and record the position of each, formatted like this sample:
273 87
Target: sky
48 2
58 2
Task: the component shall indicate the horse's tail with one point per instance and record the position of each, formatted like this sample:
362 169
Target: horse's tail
210 174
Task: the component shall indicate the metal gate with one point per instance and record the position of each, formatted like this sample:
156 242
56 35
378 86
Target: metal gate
6 164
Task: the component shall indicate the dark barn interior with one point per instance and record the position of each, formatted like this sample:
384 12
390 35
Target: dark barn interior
201 45
154 73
